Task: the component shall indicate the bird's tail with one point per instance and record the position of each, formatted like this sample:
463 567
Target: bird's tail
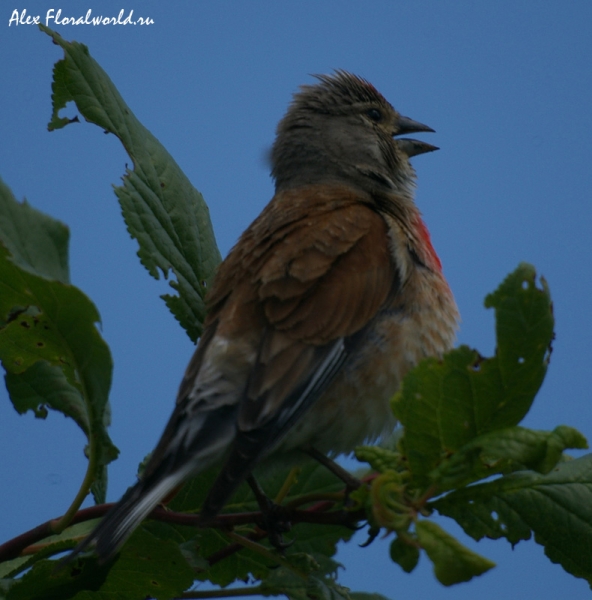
121 521
187 447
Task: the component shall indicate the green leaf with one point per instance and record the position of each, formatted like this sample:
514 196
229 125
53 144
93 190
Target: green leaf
527 448
305 582
453 562
505 451
405 554
283 581
237 566
149 568
36 242
5 585
325 589
49 344
10 568
43 384
161 208
52 545
556 507
446 404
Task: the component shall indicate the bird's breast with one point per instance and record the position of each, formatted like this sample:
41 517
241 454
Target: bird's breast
420 321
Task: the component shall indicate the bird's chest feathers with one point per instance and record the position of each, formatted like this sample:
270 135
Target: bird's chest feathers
419 320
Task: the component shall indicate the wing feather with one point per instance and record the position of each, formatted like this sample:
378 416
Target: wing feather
319 284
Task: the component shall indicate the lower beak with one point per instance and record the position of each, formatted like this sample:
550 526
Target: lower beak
414 147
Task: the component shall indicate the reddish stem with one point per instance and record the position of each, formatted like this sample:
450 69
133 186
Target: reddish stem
317 514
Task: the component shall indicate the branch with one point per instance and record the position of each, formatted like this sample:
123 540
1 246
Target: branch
317 514
224 593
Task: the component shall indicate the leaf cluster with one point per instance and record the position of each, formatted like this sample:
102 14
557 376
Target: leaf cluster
464 454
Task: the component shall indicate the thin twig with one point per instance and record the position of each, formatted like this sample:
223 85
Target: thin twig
287 485
195 595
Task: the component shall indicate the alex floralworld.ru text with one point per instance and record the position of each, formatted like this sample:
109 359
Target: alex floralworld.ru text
54 17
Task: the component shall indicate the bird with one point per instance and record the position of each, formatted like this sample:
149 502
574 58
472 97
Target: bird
326 301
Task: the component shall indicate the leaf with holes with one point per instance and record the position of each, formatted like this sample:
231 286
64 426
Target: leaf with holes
556 507
49 344
446 404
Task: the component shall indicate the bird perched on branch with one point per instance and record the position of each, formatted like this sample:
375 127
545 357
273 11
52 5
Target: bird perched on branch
327 300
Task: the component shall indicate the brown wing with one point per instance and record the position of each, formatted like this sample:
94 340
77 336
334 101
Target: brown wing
328 290
319 268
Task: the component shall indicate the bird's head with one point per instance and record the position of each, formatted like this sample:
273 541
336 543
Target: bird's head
342 129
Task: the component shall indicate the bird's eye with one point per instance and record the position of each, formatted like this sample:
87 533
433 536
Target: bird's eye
375 115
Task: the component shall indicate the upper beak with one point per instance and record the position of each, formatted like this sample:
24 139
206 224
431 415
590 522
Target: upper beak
408 146
407 125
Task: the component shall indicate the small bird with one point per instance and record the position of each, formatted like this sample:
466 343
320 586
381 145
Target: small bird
327 300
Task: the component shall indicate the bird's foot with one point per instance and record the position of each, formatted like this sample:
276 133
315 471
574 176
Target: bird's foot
273 520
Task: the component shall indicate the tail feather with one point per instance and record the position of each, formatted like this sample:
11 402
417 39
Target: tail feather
190 447
120 522
128 513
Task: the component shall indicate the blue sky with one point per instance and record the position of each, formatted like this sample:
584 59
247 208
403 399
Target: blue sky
506 85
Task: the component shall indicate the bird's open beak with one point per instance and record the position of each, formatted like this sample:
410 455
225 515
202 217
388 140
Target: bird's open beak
408 146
